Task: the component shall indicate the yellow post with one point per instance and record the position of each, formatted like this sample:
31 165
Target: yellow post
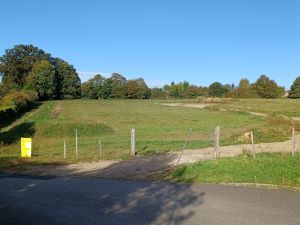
26 147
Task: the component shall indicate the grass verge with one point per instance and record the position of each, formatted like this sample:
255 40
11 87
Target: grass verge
268 168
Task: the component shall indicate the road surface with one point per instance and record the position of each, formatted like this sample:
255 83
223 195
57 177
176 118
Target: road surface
82 200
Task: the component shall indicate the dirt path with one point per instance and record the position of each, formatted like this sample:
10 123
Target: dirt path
151 167
188 105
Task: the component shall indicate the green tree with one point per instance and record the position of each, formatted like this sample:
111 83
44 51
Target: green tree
138 89
216 89
181 88
17 63
68 81
93 88
87 90
191 92
266 88
116 86
143 90
107 88
244 89
166 89
158 93
173 90
43 79
295 89
97 86
132 89
3 90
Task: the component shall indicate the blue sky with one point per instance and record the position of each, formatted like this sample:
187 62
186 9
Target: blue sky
162 40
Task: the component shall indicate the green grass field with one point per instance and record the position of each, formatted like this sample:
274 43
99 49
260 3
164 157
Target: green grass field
276 169
158 127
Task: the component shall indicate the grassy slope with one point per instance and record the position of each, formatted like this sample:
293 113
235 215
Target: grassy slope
284 106
278 169
158 128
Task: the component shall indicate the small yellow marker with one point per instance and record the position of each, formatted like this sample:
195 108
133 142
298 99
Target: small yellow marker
26 147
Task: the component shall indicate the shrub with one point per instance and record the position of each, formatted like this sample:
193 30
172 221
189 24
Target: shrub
16 102
277 128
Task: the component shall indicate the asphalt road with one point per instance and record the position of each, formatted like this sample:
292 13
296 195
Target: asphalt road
81 200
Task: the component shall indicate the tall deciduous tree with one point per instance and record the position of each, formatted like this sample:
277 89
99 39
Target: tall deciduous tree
87 90
244 89
266 88
158 93
143 90
17 63
43 79
138 89
97 86
216 89
132 89
93 88
295 89
68 80
116 86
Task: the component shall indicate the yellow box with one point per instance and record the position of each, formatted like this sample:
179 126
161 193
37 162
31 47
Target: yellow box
26 147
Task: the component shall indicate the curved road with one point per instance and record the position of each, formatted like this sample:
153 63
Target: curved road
81 200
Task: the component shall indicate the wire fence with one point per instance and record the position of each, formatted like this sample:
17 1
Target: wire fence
119 145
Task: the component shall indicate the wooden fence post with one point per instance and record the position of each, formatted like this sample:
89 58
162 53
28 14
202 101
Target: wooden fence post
293 142
100 149
76 145
253 147
133 142
65 149
217 142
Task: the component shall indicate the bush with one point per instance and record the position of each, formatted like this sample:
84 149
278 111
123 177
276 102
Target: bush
277 128
16 102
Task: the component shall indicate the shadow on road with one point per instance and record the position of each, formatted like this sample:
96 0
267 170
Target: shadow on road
141 167
70 200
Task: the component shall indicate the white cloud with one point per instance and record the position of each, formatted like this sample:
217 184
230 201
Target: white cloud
155 83
84 76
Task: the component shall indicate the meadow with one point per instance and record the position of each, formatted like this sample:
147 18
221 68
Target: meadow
159 128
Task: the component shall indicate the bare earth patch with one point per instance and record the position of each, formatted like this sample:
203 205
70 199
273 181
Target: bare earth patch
258 114
189 105
204 105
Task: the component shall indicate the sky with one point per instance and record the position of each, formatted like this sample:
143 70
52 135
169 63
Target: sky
162 40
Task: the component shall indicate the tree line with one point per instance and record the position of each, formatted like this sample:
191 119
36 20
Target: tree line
115 87
262 88
26 67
